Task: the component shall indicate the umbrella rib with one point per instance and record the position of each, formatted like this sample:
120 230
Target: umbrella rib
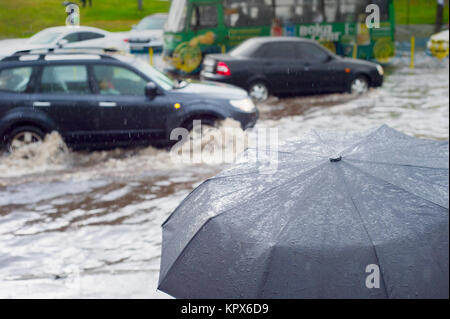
228 210
410 138
257 170
404 145
394 164
266 274
320 139
397 186
269 150
363 139
365 229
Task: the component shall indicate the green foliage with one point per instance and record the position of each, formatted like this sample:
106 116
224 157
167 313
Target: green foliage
420 11
23 18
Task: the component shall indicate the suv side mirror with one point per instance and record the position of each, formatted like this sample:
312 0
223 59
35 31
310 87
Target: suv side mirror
61 43
151 90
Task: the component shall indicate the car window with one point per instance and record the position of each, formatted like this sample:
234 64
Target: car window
151 23
204 16
311 52
66 79
72 37
84 36
155 75
115 80
15 79
276 50
242 13
44 37
247 48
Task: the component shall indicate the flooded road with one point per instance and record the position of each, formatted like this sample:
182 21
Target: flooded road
87 224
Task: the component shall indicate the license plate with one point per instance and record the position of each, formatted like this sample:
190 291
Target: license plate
208 65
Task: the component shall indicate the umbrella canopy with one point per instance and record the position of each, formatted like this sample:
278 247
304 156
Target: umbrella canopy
345 215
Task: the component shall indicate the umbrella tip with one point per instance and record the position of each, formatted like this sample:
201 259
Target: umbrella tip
335 159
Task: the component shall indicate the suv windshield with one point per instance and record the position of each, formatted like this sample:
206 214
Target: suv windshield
44 37
158 77
177 16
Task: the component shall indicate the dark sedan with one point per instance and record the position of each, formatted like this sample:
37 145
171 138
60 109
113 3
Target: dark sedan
96 100
288 65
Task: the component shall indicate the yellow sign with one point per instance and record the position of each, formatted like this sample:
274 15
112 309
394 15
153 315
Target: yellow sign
384 50
439 49
187 56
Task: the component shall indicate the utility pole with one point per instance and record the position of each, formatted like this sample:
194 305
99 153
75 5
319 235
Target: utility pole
439 15
140 5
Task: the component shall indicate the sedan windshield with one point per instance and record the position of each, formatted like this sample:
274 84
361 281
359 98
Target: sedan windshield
151 23
158 77
44 37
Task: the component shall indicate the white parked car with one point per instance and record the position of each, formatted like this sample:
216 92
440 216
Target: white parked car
67 37
148 33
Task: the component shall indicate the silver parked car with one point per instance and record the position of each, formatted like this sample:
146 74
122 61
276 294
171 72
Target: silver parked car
148 33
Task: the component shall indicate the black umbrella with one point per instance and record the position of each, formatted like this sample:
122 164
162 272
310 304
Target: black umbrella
344 216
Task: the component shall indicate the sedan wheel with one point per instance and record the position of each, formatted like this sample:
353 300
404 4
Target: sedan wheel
258 91
359 85
23 138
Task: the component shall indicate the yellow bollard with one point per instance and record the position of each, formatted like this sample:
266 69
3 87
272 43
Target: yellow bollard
150 55
413 48
355 51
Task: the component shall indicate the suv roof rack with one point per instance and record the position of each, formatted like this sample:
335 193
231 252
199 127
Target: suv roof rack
42 52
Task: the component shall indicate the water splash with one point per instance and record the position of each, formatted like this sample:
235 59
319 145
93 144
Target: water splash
58 162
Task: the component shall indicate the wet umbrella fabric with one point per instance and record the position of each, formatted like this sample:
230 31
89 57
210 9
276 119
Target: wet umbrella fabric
339 207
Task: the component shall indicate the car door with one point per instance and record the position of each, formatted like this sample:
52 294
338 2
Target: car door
276 61
315 72
124 112
64 93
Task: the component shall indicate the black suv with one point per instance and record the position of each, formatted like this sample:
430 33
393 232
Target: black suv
100 100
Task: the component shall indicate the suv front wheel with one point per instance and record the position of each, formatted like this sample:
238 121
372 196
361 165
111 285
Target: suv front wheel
22 136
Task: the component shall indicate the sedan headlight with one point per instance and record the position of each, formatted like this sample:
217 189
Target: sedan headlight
380 69
245 105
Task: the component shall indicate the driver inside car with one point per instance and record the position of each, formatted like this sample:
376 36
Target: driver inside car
104 75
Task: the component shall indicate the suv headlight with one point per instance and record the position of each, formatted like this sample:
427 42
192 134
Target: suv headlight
380 69
245 105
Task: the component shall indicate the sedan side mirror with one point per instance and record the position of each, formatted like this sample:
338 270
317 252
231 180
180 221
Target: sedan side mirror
61 43
151 90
